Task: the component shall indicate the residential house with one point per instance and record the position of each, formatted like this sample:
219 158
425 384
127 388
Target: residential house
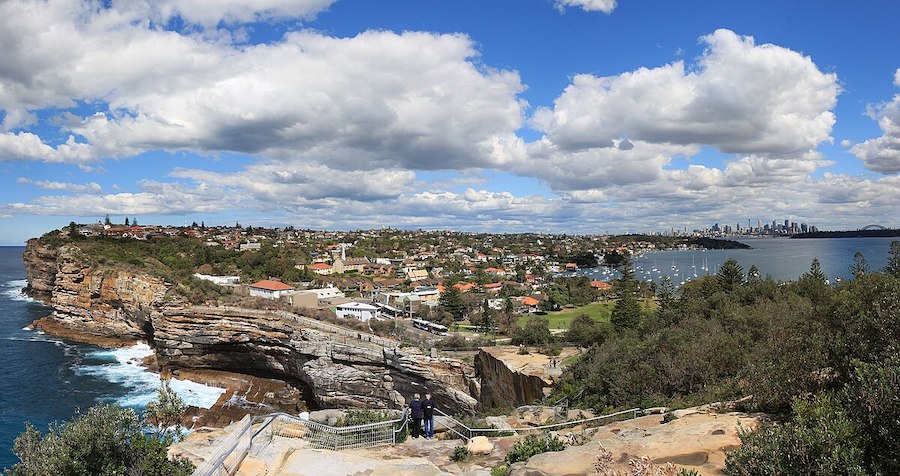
358 310
321 268
346 265
255 246
270 289
220 280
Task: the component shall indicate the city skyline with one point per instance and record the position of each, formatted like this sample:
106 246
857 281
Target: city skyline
560 116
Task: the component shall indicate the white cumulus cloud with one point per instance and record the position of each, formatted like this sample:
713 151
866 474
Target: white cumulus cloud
882 154
605 6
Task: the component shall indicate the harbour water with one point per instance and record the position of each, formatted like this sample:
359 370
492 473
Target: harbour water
46 379
782 258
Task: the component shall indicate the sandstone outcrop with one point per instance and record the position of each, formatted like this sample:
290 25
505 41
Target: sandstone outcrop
510 379
338 373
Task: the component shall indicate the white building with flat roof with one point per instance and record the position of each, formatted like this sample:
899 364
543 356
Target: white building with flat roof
357 310
220 280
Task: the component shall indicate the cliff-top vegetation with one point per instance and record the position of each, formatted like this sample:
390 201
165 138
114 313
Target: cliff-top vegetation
822 358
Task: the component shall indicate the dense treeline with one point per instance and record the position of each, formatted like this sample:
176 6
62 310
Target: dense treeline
821 356
177 258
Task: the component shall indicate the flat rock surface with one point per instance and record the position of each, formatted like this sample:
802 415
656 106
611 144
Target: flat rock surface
695 441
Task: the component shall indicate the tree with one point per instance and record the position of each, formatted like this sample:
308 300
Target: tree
451 301
487 316
815 272
893 266
73 230
107 221
585 331
730 275
126 221
165 413
626 315
753 275
535 332
107 440
860 266
134 221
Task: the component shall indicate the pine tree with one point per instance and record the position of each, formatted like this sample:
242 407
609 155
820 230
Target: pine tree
107 221
815 272
753 275
134 221
893 266
730 275
451 301
860 266
626 314
126 221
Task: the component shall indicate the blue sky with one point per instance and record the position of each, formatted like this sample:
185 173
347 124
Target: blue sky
579 116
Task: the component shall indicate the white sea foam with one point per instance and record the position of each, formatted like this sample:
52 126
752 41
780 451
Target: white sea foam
142 384
13 290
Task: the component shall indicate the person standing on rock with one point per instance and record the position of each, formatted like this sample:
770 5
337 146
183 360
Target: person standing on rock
428 413
417 413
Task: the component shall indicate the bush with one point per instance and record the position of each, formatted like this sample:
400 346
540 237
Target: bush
820 435
553 349
460 453
363 417
106 440
502 470
535 332
533 445
669 417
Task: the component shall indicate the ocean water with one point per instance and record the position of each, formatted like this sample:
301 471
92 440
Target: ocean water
45 379
782 258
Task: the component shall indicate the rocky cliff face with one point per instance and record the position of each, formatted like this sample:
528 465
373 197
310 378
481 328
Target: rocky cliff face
511 380
95 303
40 269
88 299
338 374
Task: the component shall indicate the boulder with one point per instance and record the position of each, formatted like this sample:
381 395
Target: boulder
480 445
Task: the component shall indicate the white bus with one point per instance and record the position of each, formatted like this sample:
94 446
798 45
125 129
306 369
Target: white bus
430 327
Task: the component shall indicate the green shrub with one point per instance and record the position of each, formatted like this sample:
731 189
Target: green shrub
669 417
820 435
364 417
533 445
460 453
106 440
502 470
553 349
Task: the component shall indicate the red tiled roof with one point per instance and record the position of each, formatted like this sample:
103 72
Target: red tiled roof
320 266
271 285
529 301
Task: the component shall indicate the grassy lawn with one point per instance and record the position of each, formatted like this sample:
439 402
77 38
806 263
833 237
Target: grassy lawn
598 311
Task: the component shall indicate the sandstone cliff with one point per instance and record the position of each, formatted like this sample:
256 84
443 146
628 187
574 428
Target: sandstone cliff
510 379
105 303
338 372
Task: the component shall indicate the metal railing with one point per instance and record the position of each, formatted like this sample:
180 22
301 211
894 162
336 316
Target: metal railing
230 453
227 457
465 432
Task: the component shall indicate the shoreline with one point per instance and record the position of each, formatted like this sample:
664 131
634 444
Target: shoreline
243 394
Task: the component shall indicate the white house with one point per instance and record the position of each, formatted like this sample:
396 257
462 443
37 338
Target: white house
358 310
326 294
270 289
220 280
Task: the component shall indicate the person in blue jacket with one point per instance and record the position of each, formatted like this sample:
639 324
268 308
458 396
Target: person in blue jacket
428 413
417 412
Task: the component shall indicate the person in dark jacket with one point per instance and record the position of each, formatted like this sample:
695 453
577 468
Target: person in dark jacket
416 413
428 413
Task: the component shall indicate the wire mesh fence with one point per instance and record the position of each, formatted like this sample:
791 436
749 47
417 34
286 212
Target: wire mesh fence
252 436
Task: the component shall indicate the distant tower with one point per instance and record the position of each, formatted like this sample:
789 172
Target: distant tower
343 251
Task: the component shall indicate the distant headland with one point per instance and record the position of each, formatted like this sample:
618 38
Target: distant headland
861 233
